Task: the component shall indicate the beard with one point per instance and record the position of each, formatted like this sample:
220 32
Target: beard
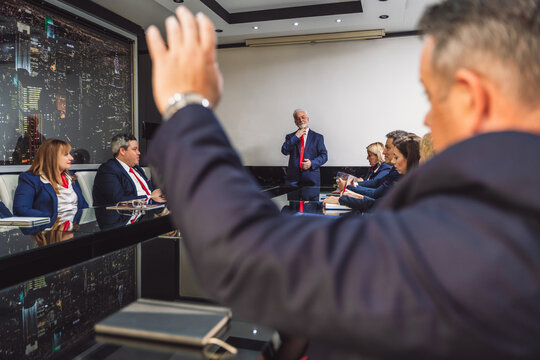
302 126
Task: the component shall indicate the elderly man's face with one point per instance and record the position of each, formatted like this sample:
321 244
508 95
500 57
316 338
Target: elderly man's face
443 118
301 120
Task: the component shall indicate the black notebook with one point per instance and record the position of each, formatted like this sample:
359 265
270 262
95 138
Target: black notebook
166 321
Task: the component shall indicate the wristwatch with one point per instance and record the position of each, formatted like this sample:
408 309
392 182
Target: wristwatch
178 101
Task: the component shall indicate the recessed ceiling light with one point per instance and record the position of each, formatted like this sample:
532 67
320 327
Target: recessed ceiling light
255 28
338 20
178 1
384 16
219 30
296 24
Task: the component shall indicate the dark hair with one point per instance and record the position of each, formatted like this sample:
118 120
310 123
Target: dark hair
501 33
121 141
409 146
396 135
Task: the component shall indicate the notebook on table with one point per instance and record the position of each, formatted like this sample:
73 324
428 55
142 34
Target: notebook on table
24 221
166 322
337 207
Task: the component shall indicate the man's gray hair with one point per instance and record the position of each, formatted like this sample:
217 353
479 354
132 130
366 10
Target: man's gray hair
396 135
121 141
504 34
296 112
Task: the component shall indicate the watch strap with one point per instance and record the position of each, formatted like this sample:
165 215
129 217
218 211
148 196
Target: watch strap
179 101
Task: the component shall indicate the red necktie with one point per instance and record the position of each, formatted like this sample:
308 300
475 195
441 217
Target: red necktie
140 182
66 226
301 150
64 180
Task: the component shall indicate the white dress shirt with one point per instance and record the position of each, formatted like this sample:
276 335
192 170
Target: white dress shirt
67 200
305 137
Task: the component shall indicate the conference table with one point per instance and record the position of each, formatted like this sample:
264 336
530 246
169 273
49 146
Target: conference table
57 284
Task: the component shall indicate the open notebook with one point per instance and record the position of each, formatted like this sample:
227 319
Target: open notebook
166 321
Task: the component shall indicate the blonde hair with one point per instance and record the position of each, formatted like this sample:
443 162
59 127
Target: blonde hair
376 149
426 148
45 162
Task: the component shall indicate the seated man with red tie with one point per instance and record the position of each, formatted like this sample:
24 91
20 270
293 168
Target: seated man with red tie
306 151
121 178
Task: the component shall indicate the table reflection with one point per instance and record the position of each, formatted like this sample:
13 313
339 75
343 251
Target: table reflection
15 240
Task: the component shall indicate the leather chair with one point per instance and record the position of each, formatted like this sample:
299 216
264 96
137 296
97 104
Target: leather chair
8 184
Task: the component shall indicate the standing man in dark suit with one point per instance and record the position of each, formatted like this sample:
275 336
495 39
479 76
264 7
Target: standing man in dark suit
121 178
306 151
448 264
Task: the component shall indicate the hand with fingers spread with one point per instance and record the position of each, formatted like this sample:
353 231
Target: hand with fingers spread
188 64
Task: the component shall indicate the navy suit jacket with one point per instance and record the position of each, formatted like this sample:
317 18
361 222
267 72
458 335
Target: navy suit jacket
378 174
113 184
33 197
314 151
446 267
4 211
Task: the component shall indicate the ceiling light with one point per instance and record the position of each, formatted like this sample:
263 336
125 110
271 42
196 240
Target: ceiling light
296 24
317 38
255 28
383 16
178 1
338 20
219 30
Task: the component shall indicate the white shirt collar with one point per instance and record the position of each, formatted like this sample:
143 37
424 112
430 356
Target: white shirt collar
124 165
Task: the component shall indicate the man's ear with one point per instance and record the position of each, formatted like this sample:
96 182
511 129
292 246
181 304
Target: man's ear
473 96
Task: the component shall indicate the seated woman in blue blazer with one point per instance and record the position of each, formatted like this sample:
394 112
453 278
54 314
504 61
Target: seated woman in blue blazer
48 189
377 167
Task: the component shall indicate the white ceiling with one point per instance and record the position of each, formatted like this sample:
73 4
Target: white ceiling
403 16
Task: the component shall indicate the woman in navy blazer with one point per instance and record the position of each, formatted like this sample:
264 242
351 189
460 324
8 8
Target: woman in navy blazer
47 181
378 168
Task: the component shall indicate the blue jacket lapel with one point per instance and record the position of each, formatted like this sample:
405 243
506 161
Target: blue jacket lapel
308 142
49 188
126 176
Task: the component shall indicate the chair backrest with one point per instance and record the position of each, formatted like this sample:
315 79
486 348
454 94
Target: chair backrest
86 181
147 172
8 185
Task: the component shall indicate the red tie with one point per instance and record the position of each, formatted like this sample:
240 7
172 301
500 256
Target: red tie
140 182
301 150
64 180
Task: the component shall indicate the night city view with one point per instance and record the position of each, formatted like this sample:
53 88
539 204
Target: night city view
60 80
46 316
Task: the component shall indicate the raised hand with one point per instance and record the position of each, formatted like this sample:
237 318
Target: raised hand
188 64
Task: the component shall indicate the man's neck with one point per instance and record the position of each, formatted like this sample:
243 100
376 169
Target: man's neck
123 162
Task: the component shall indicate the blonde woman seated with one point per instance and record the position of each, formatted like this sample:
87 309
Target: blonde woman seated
48 189
378 168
